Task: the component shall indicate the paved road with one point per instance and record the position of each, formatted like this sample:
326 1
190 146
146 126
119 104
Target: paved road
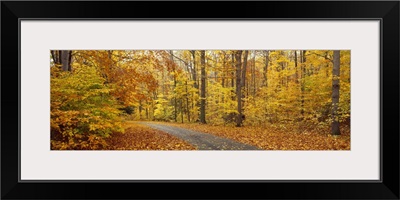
203 141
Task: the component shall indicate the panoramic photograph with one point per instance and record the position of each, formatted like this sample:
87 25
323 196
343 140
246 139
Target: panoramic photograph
200 99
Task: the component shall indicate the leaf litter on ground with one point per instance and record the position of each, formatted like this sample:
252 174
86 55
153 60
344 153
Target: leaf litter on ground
141 137
271 138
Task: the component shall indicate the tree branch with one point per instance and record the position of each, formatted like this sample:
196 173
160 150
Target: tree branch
324 56
186 63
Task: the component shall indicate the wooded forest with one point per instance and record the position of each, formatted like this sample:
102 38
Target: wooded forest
156 99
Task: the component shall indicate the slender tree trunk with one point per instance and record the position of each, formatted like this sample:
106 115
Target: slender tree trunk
216 78
243 81
163 91
69 60
195 85
59 56
266 69
223 71
296 77
187 102
203 88
232 71
54 55
155 96
65 60
286 64
194 72
335 92
147 110
175 101
303 73
140 109
181 110
238 57
254 74
282 64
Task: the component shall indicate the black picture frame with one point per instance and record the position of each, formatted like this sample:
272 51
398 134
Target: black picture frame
386 11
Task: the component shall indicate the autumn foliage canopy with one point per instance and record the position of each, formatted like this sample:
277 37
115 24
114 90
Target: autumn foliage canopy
95 92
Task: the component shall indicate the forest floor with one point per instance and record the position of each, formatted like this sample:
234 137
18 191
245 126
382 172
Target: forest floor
201 140
141 137
266 138
194 136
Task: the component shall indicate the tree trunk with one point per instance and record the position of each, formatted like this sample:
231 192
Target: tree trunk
335 92
54 55
282 68
195 85
295 67
266 68
147 110
254 74
238 57
303 73
69 60
203 88
194 72
223 71
232 71
140 109
243 81
181 110
187 102
173 67
243 84
65 60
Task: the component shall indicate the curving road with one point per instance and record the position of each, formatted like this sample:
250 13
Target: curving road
203 141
